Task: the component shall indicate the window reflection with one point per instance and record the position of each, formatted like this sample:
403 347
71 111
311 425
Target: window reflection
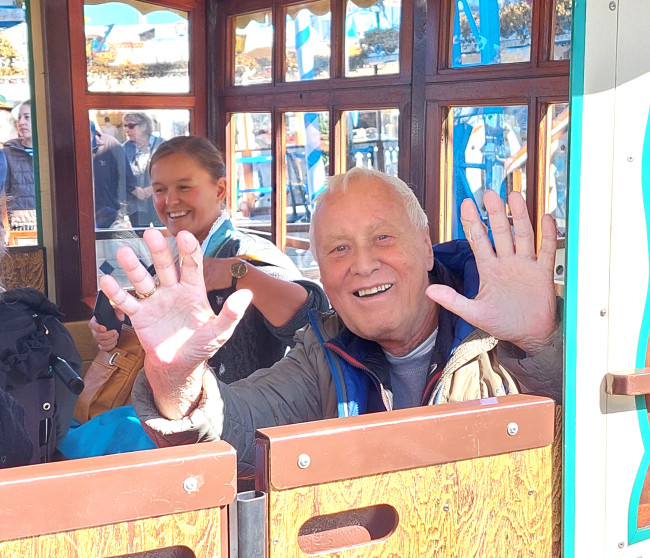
122 144
17 179
562 30
253 48
557 171
253 170
491 32
371 139
136 46
372 29
306 168
307 50
489 152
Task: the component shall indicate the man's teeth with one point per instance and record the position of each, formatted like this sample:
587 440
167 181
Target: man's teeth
374 290
177 214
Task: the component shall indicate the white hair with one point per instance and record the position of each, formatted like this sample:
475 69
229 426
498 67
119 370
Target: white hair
358 175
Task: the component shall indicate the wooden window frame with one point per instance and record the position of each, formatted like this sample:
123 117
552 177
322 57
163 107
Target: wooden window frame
75 265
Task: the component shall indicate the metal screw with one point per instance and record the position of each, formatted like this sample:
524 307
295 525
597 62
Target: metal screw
446 507
630 158
75 237
46 406
612 6
531 492
513 428
303 461
276 541
621 544
190 484
603 311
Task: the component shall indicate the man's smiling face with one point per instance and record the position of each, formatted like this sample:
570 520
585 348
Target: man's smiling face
374 265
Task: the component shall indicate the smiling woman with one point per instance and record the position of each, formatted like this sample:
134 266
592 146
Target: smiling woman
189 189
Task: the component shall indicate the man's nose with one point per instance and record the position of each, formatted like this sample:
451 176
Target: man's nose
364 262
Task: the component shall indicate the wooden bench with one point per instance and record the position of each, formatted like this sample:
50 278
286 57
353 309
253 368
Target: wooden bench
165 502
479 478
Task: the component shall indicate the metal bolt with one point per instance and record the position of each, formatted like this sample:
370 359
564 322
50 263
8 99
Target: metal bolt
531 492
630 158
621 544
276 541
190 484
46 406
612 6
303 461
603 311
446 507
75 237
513 428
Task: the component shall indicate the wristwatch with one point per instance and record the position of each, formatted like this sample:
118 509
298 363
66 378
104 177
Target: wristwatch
237 270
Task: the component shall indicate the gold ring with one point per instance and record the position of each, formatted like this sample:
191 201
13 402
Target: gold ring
146 295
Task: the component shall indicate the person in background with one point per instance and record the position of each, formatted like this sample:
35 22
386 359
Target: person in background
112 178
189 189
411 324
139 149
108 128
19 182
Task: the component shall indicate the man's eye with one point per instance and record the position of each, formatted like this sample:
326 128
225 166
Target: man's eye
382 237
340 249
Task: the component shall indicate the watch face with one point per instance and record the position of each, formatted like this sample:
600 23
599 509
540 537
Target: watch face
238 269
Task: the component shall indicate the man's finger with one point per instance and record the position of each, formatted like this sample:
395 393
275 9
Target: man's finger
190 259
120 298
499 223
548 247
136 273
524 235
476 232
163 261
452 301
233 310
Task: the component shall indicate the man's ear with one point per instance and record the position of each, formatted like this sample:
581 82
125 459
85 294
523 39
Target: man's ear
428 247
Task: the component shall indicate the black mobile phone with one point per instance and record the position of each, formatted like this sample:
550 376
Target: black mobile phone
105 315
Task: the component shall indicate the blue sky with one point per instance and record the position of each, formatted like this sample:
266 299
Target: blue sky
123 14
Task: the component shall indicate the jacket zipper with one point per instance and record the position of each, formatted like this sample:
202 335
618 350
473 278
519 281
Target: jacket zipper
358 365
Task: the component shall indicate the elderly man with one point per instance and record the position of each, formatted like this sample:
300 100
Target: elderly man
399 314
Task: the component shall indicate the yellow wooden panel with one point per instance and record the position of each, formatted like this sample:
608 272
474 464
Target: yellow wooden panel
200 531
494 506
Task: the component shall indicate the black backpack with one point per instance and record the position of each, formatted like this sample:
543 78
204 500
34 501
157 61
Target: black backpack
39 372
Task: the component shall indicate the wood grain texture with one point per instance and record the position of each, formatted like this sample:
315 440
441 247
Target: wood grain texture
497 506
23 267
556 483
200 531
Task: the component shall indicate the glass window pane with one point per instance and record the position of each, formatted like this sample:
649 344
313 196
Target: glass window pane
252 172
307 48
372 139
489 152
122 143
306 167
253 48
491 32
372 37
562 30
17 179
556 188
134 46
